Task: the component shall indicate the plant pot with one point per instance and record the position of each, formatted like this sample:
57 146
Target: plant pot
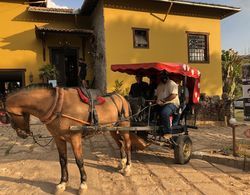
53 83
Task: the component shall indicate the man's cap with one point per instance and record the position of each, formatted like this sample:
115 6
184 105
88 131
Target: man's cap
164 74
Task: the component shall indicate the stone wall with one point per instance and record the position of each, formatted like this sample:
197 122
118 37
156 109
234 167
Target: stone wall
213 108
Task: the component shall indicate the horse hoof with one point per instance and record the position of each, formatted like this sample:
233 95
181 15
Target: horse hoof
127 170
121 171
83 188
122 164
60 188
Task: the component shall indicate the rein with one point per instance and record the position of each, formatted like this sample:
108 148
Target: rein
41 145
75 119
131 116
108 124
56 108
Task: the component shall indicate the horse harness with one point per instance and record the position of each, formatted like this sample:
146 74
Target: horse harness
89 99
56 108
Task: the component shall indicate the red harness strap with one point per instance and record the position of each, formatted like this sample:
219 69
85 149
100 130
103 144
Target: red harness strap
101 100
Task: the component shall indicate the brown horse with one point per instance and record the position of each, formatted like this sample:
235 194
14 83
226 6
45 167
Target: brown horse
59 109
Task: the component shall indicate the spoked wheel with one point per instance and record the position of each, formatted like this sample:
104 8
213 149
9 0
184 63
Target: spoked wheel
183 149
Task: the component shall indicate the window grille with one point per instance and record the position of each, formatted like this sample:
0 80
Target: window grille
141 38
198 48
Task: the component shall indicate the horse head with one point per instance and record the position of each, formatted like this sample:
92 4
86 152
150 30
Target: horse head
18 121
21 123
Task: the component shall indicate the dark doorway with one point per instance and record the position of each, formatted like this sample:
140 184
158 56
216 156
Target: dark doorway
10 79
65 60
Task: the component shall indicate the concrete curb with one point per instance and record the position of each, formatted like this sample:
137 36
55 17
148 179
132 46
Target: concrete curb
235 162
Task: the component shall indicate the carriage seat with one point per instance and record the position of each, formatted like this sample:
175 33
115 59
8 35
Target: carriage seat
86 95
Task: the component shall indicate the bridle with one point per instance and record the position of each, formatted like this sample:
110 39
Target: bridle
3 100
9 116
30 134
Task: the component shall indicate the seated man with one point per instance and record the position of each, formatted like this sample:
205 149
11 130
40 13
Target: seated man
183 94
183 91
152 87
168 100
139 89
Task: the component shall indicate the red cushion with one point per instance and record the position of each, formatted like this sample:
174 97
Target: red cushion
100 100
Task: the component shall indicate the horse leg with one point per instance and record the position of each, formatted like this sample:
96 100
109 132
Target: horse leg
76 143
120 144
62 150
127 142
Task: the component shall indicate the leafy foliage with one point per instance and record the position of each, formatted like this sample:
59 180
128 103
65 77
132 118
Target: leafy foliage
231 73
118 88
48 72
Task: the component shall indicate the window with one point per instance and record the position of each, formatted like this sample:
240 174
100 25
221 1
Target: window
198 48
140 38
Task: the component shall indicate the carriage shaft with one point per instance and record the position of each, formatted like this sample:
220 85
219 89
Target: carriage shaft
100 128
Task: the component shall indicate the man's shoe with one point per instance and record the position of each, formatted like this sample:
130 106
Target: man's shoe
159 132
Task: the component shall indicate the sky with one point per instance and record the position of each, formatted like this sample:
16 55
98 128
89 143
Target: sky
235 29
66 3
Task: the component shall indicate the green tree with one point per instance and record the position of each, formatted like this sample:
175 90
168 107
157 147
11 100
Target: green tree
231 73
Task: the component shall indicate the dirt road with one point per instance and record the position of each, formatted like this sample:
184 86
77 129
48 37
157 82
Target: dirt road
26 168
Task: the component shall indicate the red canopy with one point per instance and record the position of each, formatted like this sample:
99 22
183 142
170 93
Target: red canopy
148 69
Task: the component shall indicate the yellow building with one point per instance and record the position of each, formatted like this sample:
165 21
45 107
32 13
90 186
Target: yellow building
107 32
33 35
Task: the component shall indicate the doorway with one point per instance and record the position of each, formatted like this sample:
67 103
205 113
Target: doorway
10 79
65 60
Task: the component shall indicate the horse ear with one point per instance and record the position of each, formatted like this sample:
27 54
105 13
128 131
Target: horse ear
4 118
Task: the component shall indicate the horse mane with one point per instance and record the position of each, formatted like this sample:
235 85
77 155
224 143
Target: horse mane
30 87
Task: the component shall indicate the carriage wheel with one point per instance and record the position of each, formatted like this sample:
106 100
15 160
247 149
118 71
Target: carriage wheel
183 149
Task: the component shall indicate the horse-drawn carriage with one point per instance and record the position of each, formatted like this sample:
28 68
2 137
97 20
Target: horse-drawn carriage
66 117
145 128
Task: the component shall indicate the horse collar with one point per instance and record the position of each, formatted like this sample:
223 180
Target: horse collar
55 108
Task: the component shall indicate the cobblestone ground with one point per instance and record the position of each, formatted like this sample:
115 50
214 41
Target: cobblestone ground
214 138
26 168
